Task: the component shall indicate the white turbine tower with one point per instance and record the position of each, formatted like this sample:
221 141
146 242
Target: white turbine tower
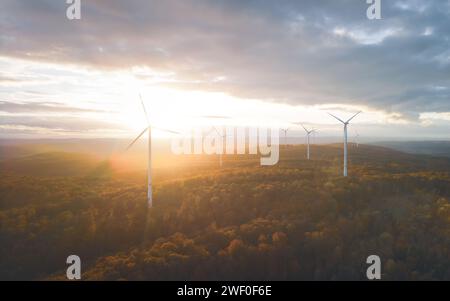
149 161
308 135
346 123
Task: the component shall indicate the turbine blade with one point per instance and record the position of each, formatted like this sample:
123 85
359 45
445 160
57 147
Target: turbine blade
145 111
354 116
219 133
215 117
336 117
304 128
166 130
137 138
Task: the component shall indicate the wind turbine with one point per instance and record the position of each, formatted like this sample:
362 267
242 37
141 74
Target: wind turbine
346 123
308 134
149 161
357 138
285 134
221 135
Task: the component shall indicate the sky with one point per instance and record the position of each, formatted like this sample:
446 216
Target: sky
258 63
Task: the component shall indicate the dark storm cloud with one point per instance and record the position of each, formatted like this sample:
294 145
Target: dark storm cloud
299 52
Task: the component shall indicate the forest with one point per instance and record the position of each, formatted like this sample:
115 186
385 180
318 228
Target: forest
298 220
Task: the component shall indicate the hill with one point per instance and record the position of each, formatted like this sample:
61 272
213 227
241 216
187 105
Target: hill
298 220
433 148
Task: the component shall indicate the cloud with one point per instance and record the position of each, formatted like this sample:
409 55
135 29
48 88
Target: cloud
366 38
6 79
52 118
296 52
68 123
41 107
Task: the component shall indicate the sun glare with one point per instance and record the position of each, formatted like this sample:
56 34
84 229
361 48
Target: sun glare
178 110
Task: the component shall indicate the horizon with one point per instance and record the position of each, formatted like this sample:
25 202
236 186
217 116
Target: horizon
297 139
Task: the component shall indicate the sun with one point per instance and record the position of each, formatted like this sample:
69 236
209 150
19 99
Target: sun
174 109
